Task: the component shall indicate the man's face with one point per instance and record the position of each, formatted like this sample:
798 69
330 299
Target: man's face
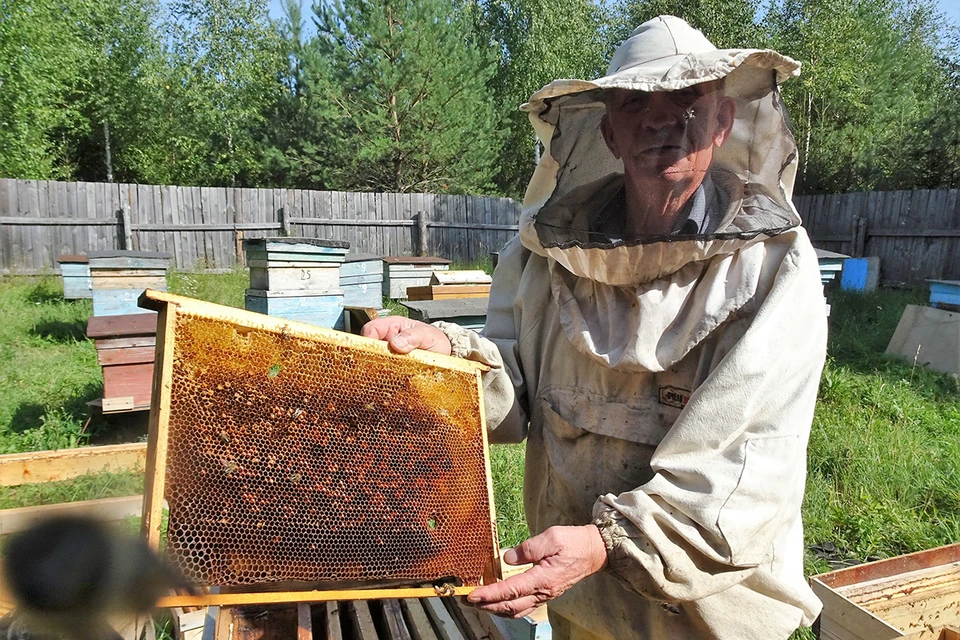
666 139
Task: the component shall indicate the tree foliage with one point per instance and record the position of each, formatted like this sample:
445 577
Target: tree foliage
538 42
423 95
42 61
401 84
870 81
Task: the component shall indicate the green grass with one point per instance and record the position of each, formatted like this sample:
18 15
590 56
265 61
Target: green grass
883 478
48 369
87 487
506 466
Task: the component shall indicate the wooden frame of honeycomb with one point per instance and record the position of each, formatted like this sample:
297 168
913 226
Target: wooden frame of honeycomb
304 464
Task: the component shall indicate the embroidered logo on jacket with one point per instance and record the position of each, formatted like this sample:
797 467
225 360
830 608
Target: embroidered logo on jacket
674 397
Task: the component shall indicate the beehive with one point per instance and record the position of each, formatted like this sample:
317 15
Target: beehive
291 453
912 597
75 271
119 277
401 272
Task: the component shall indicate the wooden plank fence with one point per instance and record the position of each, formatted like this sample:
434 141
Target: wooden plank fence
916 234
202 227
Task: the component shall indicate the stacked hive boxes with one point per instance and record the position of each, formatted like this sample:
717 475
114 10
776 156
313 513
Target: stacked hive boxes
119 277
297 279
125 350
361 278
75 271
400 272
125 335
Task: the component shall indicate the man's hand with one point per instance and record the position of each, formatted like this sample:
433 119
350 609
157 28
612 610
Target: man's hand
404 335
561 557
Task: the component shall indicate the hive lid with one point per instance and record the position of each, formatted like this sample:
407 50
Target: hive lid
290 244
121 326
361 257
415 260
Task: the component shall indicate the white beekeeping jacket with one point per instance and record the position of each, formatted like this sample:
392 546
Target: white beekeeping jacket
665 383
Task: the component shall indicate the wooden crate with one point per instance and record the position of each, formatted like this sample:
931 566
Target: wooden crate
914 596
945 294
382 619
470 313
831 264
323 310
297 250
448 292
400 272
287 276
75 271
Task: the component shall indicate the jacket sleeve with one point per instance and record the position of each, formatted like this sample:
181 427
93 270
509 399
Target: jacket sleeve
729 476
504 388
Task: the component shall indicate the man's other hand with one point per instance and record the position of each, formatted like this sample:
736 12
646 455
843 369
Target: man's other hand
404 335
561 557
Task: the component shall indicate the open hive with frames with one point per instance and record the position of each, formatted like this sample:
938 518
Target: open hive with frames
290 458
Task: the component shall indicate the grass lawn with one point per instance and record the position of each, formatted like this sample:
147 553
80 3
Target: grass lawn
883 478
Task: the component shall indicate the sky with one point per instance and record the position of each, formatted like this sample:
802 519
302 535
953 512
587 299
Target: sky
950 8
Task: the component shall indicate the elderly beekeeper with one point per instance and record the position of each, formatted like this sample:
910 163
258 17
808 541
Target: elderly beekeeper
656 333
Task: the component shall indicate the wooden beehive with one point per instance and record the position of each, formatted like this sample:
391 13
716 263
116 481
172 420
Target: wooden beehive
361 279
119 277
400 272
452 285
945 294
75 271
125 351
293 455
915 596
296 279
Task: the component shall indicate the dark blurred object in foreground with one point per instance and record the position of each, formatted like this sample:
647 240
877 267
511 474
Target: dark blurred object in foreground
70 576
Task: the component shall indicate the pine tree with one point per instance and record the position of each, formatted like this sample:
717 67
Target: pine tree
539 41
400 87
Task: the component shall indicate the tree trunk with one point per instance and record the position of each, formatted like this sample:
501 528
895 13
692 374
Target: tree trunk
106 148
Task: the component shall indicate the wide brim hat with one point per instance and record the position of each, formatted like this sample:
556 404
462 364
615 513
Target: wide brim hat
663 54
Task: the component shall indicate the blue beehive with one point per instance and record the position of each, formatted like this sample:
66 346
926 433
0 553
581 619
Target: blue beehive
297 279
119 277
77 282
945 294
324 310
361 278
401 272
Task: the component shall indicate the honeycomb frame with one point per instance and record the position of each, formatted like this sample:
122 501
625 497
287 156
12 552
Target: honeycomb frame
388 487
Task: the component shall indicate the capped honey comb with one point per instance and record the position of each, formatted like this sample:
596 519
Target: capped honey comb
289 453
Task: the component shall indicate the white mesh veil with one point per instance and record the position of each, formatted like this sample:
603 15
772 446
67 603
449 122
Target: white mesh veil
574 192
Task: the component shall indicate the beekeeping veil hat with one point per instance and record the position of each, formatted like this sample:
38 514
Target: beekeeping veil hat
747 188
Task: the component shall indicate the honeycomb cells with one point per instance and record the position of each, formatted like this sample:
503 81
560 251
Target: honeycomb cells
294 459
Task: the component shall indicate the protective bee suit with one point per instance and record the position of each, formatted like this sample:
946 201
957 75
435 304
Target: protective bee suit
665 384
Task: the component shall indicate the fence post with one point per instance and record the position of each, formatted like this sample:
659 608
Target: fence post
238 241
284 222
126 233
859 236
422 240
